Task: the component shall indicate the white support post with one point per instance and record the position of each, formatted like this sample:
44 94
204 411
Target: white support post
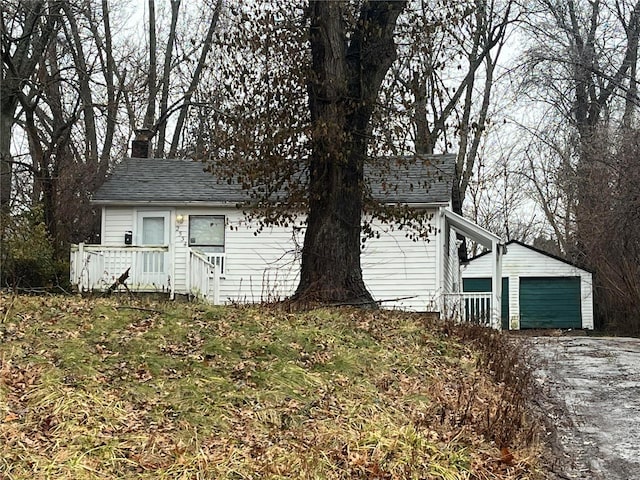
188 279
496 275
216 284
82 277
488 240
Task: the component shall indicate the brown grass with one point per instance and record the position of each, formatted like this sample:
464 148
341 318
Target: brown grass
89 389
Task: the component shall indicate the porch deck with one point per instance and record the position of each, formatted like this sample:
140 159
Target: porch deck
94 268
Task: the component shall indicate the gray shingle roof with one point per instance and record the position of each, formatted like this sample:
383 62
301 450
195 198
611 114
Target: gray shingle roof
164 181
404 180
411 180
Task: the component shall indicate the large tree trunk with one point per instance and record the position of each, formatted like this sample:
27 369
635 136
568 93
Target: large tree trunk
342 90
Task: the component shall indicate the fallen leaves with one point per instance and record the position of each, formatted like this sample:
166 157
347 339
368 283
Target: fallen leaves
90 390
506 456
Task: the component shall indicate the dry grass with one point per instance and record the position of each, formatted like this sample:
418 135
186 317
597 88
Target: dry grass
93 389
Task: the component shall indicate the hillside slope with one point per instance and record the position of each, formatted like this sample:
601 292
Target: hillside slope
97 388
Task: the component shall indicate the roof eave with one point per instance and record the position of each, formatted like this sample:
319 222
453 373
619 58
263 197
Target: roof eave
471 229
423 204
182 203
164 203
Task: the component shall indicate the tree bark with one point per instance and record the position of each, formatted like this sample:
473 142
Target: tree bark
150 114
7 112
84 79
346 77
112 98
206 48
166 70
424 143
48 146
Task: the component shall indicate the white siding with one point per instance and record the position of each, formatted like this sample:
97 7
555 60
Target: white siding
521 261
180 249
514 299
258 268
586 293
116 221
395 266
266 266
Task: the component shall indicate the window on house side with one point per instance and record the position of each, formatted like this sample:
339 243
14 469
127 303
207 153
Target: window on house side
207 231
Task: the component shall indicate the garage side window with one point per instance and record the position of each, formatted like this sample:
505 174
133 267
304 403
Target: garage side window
207 232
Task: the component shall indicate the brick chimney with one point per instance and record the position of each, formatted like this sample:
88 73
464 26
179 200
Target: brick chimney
141 144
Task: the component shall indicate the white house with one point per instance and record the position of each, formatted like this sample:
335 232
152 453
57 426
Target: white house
180 230
540 290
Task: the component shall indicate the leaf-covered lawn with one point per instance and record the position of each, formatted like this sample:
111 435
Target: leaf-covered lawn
98 388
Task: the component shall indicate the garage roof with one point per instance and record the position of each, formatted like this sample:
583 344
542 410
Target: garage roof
537 250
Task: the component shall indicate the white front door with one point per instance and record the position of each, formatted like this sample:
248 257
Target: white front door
153 231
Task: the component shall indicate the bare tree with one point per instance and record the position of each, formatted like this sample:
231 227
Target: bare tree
195 79
448 55
177 83
347 71
152 88
27 28
48 128
165 83
444 82
499 197
583 63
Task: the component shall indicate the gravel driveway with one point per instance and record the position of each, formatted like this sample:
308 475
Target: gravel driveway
593 390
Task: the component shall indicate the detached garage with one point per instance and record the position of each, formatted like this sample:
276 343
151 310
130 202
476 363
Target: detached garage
540 290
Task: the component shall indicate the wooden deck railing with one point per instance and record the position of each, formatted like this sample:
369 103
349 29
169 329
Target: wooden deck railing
203 277
218 260
473 307
97 267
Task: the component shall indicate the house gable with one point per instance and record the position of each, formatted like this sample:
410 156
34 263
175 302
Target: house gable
546 257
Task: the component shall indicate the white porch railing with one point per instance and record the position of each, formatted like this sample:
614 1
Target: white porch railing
472 307
217 259
97 267
203 276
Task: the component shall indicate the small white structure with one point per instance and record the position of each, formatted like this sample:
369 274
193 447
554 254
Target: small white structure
540 290
180 230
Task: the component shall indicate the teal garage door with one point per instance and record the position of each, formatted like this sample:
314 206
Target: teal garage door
484 285
550 302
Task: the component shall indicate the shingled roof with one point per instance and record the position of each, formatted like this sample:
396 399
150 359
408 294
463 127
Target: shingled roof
397 180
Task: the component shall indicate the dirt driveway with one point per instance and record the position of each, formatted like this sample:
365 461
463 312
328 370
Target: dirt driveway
593 386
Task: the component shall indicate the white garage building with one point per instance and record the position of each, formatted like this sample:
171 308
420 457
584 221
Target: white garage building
539 290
